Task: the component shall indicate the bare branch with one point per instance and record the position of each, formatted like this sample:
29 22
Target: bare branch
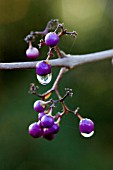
67 60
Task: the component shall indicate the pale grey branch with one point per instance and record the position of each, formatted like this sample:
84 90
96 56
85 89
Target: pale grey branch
69 61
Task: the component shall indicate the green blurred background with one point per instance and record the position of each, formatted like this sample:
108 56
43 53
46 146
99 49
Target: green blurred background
92 85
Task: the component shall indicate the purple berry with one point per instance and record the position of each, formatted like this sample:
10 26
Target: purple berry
35 130
32 53
47 121
40 115
49 137
52 130
86 127
43 68
51 39
40 124
39 106
43 72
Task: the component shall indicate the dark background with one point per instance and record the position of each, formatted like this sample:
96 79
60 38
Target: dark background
92 85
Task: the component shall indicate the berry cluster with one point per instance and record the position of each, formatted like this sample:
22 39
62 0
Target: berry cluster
48 125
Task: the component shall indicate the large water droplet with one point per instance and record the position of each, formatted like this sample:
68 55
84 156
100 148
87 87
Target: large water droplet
87 135
44 79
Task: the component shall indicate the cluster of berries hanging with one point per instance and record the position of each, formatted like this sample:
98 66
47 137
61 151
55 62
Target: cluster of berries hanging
47 124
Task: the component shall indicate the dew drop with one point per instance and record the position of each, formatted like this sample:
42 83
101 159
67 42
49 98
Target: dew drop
44 79
87 135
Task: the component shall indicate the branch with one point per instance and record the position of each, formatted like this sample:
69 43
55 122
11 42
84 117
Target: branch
67 60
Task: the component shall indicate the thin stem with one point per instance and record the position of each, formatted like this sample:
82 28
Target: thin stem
58 120
58 52
77 114
50 25
55 85
50 53
64 31
30 44
68 93
33 90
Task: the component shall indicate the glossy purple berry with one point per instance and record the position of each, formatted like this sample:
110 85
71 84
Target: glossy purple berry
43 68
47 121
35 130
49 137
40 115
32 52
40 124
86 127
51 39
39 106
52 130
43 72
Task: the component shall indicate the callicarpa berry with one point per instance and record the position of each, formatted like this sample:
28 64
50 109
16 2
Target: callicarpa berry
40 124
51 39
32 53
52 130
39 106
86 127
35 130
43 72
47 121
49 137
40 115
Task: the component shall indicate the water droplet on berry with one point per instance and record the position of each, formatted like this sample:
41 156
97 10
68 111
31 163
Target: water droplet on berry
87 135
44 79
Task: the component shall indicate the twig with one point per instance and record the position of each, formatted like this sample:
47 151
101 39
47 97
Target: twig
69 61
55 85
